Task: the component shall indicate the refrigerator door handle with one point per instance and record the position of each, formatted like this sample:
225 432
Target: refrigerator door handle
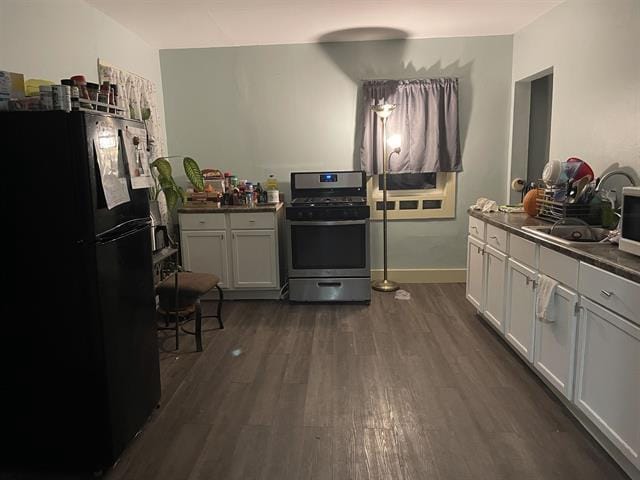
123 230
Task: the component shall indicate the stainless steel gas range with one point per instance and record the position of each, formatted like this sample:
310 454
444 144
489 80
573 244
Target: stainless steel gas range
328 237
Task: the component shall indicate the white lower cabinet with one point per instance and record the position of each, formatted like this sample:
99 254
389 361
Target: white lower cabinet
206 251
254 258
521 294
243 248
608 376
590 352
496 281
555 342
475 272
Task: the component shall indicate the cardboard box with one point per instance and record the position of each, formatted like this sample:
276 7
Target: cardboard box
11 85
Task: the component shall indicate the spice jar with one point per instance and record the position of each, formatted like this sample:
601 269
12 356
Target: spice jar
81 83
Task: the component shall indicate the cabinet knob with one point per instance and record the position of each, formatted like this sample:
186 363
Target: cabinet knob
202 222
605 293
493 237
473 227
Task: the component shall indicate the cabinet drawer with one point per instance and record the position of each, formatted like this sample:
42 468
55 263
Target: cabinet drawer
497 238
202 221
618 294
523 250
560 267
476 227
252 220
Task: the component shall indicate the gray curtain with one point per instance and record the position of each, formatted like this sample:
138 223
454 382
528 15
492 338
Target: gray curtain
426 118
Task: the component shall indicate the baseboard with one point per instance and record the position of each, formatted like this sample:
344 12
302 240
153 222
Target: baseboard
239 294
423 275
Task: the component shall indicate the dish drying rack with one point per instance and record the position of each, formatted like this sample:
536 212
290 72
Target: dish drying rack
553 210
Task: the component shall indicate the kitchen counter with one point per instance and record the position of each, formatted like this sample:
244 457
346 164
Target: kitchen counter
262 207
607 257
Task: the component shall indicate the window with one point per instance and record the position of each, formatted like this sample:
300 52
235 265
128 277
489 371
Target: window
414 195
421 115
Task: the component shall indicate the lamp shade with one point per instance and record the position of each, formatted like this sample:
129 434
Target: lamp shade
384 110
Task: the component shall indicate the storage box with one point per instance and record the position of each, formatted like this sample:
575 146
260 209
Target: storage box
11 85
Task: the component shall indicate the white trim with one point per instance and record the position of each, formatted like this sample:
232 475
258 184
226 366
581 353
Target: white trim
422 275
445 191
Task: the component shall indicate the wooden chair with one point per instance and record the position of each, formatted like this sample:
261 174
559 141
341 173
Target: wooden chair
179 295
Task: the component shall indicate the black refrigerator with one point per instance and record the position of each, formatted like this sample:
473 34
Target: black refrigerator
81 370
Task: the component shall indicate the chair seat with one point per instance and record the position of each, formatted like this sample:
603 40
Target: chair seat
191 286
185 312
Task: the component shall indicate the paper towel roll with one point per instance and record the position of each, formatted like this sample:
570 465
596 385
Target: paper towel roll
517 185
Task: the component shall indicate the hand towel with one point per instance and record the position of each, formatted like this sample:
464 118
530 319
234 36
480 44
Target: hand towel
485 205
544 299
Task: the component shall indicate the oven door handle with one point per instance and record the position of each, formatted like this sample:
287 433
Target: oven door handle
328 223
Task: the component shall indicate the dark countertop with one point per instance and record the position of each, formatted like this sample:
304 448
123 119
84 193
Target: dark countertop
262 207
607 257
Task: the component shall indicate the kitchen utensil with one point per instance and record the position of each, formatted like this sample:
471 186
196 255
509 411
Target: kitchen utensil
576 189
582 195
552 172
583 169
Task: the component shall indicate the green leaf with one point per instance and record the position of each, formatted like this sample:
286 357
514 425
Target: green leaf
163 166
172 198
146 113
194 174
183 194
167 183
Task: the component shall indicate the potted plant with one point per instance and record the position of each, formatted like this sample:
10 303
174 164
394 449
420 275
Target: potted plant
164 181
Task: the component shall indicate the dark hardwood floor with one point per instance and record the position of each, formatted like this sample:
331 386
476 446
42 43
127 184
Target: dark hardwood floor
417 389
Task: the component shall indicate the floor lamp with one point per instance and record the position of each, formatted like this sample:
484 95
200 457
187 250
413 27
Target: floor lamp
383 112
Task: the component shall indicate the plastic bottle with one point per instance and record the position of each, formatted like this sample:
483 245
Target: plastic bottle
259 193
273 194
272 182
249 194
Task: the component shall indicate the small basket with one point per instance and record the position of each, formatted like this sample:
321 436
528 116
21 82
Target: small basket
553 210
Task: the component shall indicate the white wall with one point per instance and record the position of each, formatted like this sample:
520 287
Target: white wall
258 110
594 49
56 39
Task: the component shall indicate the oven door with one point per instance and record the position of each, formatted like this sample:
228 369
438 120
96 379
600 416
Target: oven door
328 248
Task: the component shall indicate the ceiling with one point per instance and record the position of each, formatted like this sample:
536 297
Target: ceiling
218 23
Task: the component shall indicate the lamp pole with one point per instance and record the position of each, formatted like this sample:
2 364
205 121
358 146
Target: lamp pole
383 111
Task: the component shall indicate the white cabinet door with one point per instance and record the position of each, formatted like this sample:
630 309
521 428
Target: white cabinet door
475 272
206 251
555 342
519 320
254 258
496 281
608 376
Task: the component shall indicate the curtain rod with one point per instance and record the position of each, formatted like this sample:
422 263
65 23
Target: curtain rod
402 79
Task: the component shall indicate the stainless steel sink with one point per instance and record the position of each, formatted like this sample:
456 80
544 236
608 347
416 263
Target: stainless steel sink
570 234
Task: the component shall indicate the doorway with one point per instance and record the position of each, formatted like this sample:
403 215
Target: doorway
533 97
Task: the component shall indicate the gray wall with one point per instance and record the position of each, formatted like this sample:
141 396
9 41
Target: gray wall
593 49
277 109
55 40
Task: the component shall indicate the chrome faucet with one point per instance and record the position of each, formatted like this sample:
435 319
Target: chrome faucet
606 176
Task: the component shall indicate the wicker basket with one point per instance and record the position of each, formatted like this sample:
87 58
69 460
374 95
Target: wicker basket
552 210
